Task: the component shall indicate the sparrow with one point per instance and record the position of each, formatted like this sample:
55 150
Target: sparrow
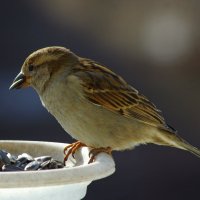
94 105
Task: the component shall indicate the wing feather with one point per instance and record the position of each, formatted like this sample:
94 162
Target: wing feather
104 88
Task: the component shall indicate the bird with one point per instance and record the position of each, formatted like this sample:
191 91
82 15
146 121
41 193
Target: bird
97 107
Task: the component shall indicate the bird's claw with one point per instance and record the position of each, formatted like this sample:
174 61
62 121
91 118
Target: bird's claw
71 149
94 152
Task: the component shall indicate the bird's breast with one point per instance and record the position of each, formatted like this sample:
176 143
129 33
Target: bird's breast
65 101
89 123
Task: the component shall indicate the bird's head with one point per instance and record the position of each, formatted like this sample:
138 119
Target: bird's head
42 65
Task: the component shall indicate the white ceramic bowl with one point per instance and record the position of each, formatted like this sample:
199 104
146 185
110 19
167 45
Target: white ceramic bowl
58 184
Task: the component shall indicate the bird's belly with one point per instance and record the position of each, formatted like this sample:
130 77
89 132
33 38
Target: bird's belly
97 127
93 128
94 125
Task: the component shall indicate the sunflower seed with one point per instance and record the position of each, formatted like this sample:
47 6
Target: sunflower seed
9 168
3 157
25 162
34 165
43 158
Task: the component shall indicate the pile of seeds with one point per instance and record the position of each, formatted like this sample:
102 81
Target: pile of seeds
25 162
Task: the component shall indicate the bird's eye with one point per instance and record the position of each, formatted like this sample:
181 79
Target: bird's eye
30 68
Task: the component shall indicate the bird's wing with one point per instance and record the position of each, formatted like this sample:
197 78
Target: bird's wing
104 88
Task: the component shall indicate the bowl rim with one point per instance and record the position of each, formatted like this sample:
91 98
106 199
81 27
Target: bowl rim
103 166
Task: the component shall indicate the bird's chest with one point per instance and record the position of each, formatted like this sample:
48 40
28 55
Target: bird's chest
64 101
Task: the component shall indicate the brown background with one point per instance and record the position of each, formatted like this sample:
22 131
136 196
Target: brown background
153 44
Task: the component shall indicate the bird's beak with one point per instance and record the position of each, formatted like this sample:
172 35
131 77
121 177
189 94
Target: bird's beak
19 82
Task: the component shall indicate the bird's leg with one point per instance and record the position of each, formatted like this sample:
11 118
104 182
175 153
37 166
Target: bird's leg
94 152
72 148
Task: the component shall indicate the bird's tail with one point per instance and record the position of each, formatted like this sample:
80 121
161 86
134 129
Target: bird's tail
174 140
188 147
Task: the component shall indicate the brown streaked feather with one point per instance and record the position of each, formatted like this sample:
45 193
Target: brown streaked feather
104 88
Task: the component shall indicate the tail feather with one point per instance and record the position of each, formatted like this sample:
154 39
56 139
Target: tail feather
174 140
188 147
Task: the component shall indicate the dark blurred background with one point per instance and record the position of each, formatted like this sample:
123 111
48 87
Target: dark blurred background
154 45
